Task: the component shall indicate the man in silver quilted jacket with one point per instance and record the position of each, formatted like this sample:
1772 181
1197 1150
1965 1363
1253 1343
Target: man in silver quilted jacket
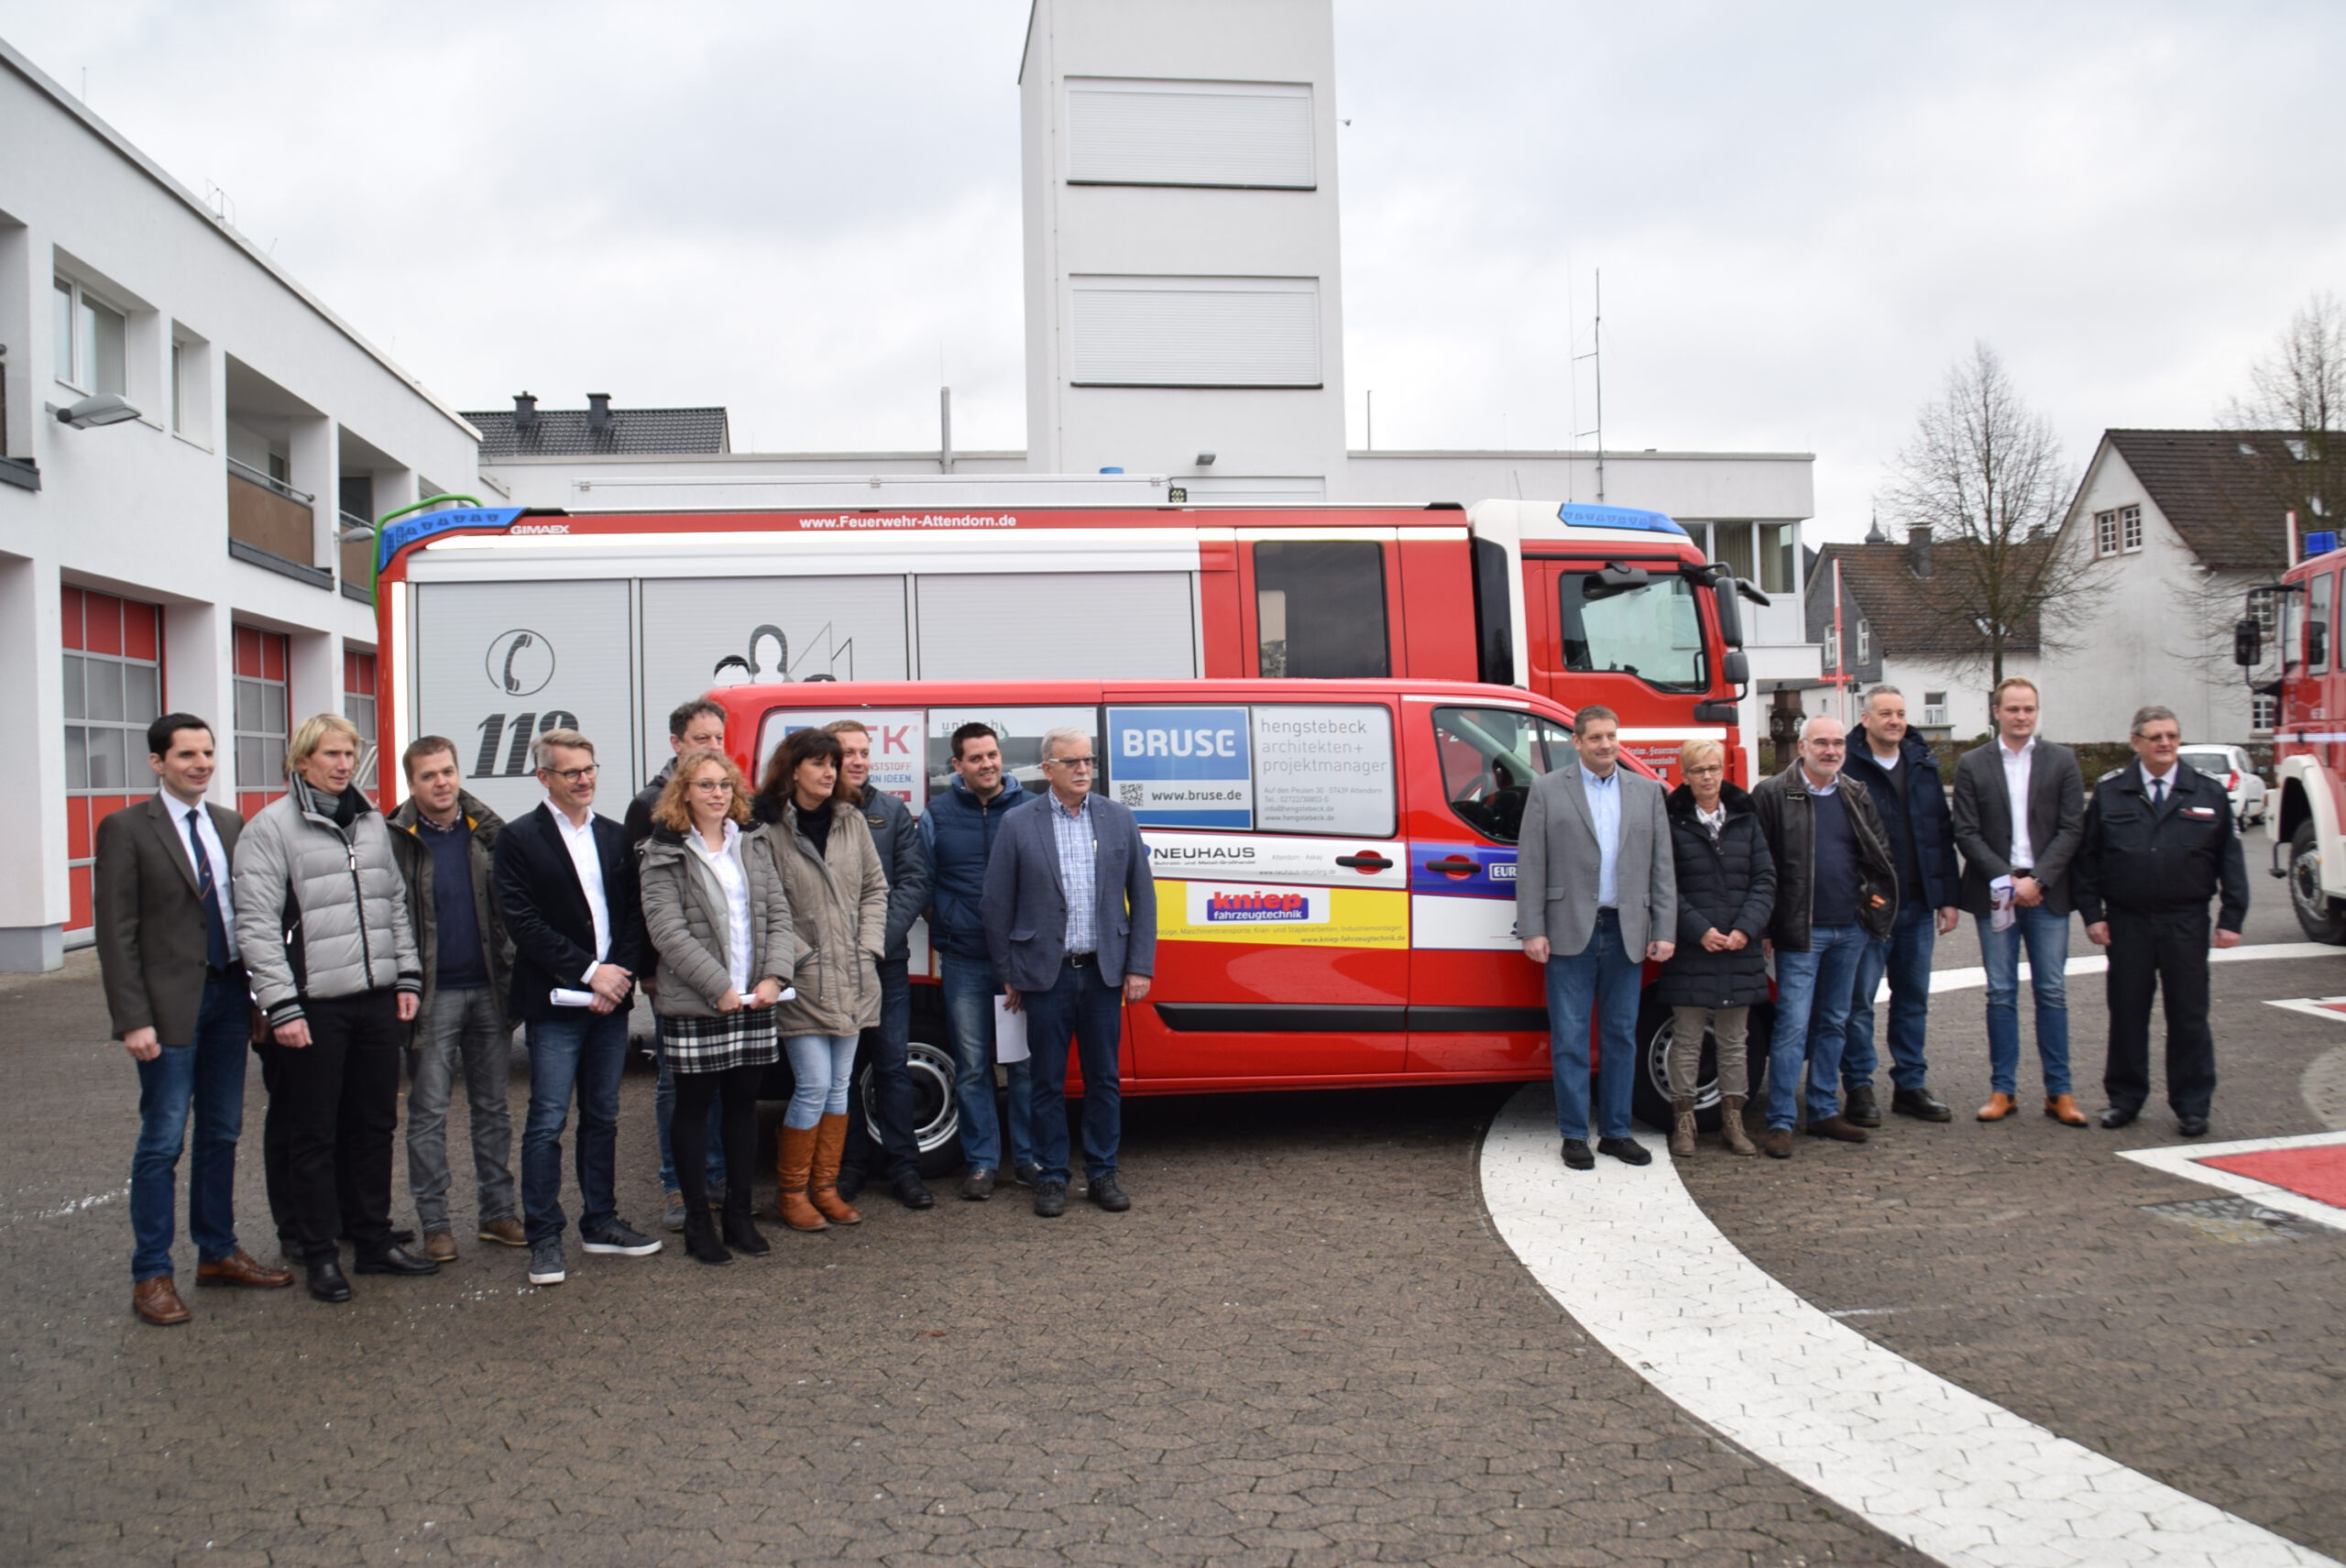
322 923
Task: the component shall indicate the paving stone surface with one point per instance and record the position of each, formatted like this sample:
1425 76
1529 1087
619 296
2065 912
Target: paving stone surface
1303 1346
2026 1262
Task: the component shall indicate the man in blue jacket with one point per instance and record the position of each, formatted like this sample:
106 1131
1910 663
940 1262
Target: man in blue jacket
1071 919
959 829
1899 771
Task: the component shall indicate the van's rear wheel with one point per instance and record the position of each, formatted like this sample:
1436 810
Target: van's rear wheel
2319 916
1651 1095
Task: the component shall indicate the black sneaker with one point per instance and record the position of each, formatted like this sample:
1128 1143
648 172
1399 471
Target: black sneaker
1050 1199
1629 1151
1026 1174
547 1262
1103 1191
978 1186
1576 1155
622 1238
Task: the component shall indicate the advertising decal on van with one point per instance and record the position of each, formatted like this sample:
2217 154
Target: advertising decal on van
1182 767
1286 916
1462 897
1221 857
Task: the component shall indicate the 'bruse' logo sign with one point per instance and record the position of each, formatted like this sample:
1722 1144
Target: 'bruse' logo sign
1258 906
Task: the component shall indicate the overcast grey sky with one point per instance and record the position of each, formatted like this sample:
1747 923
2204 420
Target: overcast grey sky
1803 211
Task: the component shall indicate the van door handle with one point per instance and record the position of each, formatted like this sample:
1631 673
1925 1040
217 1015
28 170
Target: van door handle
1453 865
1368 861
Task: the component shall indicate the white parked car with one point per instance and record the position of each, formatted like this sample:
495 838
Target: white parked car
2230 766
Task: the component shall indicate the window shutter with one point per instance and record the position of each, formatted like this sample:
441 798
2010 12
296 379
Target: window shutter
1195 332
1249 135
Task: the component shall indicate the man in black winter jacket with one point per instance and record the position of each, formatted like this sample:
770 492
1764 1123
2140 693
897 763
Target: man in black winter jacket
1902 776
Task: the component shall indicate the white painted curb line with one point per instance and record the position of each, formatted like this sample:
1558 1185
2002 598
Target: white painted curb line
1635 1261
2183 1160
1975 978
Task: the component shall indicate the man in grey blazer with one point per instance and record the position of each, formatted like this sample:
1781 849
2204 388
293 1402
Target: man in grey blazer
2018 860
165 921
1595 897
1069 911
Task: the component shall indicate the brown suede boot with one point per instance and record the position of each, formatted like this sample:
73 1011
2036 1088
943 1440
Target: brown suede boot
1681 1128
823 1181
1731 1131
797 1146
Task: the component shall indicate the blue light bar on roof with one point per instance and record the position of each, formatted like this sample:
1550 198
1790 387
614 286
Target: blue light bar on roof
1617 517
2321 543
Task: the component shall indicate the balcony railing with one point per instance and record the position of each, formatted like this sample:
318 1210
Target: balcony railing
271 515
358 558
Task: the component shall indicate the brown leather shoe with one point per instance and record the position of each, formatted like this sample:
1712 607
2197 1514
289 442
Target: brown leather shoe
2063 1108
507 1232
158 1301
1999 1105
1839 1127
240 1267
440 1247
1777 1143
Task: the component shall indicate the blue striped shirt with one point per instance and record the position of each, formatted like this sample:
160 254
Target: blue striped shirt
1079 846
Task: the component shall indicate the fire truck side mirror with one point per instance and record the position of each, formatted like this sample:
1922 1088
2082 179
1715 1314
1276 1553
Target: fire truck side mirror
1730 610
2248 644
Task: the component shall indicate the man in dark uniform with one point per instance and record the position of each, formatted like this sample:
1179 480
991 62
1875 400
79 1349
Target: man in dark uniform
2159 842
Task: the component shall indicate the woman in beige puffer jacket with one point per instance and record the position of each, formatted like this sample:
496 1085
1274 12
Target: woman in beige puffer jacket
839 899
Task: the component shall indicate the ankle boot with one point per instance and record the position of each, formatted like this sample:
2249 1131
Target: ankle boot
700 1235
790 1169
1681 1126
740 1230
1731 1125
823 1184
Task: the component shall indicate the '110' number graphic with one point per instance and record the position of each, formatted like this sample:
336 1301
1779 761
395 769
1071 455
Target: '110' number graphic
524 728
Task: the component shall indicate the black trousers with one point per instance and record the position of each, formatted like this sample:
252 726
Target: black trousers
883 1050
688 1133
2167 952
333 1108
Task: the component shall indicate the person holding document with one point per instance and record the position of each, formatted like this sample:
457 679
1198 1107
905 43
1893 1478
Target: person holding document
715 912
565 884
839 902
2020 814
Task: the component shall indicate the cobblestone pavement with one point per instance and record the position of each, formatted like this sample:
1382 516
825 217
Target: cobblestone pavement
1303 1346
2024 1261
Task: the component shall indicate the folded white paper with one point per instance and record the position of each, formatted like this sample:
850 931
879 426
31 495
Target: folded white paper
566 998
1009 1033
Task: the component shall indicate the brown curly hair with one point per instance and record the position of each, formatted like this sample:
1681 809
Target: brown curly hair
673 813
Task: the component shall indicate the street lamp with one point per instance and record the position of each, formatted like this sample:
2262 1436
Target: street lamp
98 408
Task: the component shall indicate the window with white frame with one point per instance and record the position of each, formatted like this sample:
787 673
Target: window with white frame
1865 640
2264 712
2117 531
1832 649
2129 529
1934 708
87 337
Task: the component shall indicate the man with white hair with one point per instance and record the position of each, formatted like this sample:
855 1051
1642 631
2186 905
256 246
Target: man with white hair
1837 890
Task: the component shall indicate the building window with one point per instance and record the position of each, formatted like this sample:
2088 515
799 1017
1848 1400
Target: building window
1778 572
2129 529
263 707
89 337
1865 640
1832 649
1934 710
2117 531
2263 712
113 689
1732 543
358 706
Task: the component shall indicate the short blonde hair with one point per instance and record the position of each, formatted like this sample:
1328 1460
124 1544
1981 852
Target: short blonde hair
674 811
312 733
1694 751
539 748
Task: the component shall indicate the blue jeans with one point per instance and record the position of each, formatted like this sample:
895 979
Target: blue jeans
1814 994
206 1078
664 1106
820 1066
1601 978
884 1048
1081 1004
970 990
2047 937
1905 957
586 1054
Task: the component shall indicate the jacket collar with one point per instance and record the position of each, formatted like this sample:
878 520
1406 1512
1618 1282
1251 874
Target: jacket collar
477 816
1733 796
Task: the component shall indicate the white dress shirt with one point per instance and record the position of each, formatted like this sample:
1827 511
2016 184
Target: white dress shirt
585 859
2017 766
1604 797
213 850
2163 782
726 865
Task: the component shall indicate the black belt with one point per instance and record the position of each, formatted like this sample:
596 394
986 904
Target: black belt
1081 961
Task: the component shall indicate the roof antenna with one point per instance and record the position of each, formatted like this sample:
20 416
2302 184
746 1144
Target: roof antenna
1597 352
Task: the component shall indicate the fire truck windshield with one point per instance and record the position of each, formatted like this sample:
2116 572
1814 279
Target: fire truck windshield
1651 630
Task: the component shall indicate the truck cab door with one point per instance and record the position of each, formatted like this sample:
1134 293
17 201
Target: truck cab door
1598 635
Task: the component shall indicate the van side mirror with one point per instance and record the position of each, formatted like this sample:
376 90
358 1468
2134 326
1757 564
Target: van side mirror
2248 644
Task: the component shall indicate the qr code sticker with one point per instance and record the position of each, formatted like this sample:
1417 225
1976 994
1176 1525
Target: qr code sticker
1132 795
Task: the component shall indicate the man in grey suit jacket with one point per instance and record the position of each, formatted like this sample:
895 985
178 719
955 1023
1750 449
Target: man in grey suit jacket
167 954
1596 896
2019 860
1070 913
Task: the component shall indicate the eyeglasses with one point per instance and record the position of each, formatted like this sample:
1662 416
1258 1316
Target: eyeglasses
714 785
574 775
1704 772
1072 764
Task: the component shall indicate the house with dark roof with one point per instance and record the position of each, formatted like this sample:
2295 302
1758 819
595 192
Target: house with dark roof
2182 523
598 430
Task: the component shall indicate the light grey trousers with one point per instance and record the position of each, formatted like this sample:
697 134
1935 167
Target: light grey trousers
1730 1026
463 1024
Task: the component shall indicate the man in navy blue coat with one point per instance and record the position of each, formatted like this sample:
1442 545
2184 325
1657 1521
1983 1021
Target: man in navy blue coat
1901 773
1071 921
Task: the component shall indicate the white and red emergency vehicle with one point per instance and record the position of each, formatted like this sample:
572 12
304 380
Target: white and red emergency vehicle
2292 626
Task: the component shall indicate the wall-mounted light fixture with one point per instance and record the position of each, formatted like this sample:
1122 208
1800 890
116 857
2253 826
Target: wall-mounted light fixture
90 412
1205 459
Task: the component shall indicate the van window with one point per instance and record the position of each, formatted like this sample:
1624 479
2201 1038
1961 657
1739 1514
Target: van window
1653 633
2318 593
1319 610
1020 731
1489 757
1324 768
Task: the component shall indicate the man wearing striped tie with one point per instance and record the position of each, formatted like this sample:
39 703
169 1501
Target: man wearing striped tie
175 986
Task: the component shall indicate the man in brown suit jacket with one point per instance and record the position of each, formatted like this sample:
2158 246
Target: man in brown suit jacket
166 937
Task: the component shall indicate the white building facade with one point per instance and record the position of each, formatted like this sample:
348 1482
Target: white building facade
184 558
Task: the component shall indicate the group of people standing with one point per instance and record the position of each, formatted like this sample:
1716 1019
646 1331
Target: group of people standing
761 923
1844 866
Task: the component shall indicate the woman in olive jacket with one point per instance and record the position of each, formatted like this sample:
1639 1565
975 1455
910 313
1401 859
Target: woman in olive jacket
716 912
1726 890
838 899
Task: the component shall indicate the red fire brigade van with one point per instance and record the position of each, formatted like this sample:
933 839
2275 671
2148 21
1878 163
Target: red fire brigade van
1334 865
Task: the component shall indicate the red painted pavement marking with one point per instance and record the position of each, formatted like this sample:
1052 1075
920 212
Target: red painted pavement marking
2316 1173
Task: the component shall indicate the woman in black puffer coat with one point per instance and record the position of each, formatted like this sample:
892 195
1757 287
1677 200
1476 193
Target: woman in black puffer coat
1726 890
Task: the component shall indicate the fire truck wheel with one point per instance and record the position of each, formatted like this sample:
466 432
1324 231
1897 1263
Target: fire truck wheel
1651 1092
2321 916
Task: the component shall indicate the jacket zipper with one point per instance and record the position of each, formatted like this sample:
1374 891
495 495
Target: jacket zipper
358 891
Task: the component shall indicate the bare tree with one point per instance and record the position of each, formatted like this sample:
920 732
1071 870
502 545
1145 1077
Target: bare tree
1985 475
2296 402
